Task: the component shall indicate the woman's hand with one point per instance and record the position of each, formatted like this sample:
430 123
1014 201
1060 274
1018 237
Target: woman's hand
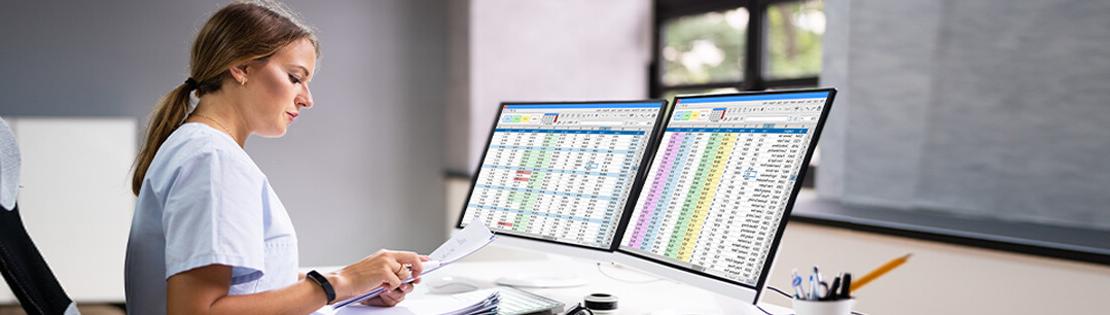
395 296
382 269
391 297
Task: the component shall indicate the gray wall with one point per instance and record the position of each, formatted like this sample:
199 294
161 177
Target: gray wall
550 51
985 108
360 171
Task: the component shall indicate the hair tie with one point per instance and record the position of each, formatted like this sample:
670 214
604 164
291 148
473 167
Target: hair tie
190 84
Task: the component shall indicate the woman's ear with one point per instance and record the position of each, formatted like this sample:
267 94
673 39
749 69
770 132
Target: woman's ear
239 71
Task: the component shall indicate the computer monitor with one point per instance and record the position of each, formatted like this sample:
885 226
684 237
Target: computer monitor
556 177
720 187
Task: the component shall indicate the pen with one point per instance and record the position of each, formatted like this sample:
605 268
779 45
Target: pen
846 289
812 288
832 295
819 294
796 282
878 272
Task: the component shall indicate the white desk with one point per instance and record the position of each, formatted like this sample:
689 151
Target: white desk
656 297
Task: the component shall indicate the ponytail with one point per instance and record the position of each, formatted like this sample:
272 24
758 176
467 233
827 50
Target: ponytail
168 115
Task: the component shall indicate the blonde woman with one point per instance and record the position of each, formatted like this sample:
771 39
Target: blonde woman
209 235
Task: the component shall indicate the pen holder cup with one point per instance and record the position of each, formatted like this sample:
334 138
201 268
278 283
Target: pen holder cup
838 307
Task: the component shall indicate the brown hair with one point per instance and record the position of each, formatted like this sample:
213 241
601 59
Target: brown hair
239 32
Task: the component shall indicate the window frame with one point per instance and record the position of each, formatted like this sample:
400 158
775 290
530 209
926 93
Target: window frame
753 78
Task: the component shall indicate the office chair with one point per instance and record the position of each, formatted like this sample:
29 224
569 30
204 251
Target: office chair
21 264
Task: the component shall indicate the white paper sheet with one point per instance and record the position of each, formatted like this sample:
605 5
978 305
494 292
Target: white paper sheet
472 238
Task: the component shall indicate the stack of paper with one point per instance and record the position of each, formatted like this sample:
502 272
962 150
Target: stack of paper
473 303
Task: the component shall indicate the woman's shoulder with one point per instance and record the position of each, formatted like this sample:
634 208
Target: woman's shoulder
194 143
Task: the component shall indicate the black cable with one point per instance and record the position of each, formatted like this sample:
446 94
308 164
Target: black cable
763 310
780 291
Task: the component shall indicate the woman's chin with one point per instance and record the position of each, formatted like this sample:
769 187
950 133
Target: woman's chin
275 133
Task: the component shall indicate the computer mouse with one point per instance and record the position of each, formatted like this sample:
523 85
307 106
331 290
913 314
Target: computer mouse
451 285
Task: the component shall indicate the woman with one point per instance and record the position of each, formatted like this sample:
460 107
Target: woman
209 235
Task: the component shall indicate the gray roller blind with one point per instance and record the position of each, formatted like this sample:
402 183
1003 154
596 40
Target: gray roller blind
991 108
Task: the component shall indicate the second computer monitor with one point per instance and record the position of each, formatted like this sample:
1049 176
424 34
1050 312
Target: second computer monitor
558 175
721 184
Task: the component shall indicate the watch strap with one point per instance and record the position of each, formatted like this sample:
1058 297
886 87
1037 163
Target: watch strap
319 279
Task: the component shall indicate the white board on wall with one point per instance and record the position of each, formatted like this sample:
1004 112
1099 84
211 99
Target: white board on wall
76 201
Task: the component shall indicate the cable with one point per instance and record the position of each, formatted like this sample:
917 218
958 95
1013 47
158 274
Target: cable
780 291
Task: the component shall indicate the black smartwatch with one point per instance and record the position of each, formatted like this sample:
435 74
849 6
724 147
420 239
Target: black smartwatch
329 291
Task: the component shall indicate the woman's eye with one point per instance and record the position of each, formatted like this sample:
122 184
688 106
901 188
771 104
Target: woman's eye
294 79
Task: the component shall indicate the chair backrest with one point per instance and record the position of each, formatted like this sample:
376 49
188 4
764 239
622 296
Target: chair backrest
21 264
9 166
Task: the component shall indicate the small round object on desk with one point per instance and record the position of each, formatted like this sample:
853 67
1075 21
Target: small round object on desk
602 303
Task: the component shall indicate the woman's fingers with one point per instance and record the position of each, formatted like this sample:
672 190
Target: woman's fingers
390 297
404 274
391 280
412 259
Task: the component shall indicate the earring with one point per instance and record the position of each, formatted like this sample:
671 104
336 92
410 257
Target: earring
244 82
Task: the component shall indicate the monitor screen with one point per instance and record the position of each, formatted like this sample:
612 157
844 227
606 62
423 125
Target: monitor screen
562 172
722 180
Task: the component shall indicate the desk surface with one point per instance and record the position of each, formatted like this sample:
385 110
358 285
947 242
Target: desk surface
638 293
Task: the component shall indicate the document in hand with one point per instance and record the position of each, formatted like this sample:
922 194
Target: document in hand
472 238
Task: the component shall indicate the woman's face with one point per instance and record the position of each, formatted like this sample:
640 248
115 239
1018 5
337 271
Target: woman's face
276 90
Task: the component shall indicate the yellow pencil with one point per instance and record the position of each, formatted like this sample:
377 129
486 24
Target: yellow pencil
879 272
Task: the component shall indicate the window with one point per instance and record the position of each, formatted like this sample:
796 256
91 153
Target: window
709 46
724 46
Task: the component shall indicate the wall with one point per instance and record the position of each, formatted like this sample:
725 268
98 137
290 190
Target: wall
984 108
355 172
551 51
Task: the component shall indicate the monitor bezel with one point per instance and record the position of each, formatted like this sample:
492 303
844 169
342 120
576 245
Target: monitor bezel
545 245
735 289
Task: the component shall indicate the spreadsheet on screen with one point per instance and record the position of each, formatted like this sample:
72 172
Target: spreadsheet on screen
562 172
721 180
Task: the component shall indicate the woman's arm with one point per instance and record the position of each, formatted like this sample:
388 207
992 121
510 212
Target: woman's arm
204 290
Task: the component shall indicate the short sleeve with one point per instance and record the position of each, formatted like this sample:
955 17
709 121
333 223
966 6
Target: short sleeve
213 215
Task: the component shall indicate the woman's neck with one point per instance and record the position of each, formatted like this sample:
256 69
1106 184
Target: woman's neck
220 114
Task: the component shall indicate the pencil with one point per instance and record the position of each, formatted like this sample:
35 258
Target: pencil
879 272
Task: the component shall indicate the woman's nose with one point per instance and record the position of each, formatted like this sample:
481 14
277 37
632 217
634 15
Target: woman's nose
305 99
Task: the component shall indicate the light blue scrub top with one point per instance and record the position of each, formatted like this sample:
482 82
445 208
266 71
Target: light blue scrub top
203 202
